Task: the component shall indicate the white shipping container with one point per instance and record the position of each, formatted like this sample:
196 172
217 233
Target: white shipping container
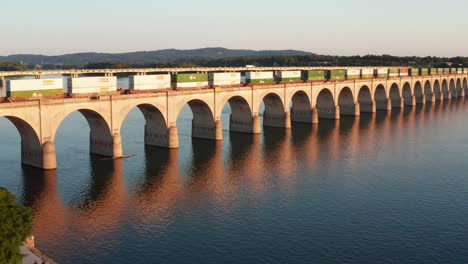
367 71
92 84
353 72
289 74
459 70
224 78
259 75
191 84
34 84
382 71
148 82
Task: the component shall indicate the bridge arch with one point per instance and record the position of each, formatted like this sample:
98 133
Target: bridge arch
365 100
326 104
101 139
301 109
452 88
465 84
459 87
346 102
274 114
241 118
437 90
428 91
407 94
156 132
380 97
204 124
445 90
394 95
418 93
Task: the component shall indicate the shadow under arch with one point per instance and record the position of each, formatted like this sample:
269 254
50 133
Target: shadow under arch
459 88
346 102
241 118
274 114
380 98
437 90
407 94
31 147
428 91
453 89
301 109
395 96
326 105
365 100
418 93
445 90
204 125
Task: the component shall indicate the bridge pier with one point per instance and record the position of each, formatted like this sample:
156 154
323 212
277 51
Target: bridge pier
42 157
238 124
421 100
351 110
207 131
303 116
389 104
273 119
368 107
410 101
105 145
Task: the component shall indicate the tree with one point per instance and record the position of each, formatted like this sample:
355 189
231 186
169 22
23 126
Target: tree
15 226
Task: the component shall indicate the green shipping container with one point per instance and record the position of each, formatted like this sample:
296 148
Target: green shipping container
189 77
33 93
415 72
259 81
433 71
336 74
289 79
424 71
446 70
313 75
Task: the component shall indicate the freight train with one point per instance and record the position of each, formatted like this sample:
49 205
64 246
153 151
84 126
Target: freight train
95 86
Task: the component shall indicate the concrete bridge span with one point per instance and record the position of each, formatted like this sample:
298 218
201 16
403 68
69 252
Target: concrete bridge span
306 102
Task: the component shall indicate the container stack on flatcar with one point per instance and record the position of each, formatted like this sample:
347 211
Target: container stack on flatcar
149 82
433 71
190 80
381 73
459 70
33 88
336 74
288 76
259 77
353 73
414 72
403 71
424 71
224 78
393 72
367 73
91 85
314 75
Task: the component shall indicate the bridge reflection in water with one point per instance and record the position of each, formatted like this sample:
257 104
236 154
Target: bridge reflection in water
218 175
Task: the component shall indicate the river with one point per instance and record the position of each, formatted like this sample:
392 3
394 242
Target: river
381 188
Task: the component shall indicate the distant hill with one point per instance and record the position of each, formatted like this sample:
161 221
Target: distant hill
167 55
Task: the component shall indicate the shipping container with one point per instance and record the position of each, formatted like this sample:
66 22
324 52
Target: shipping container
459 70
403 71
446 70
415 72
288 76
150 82
381 72
336 74
453 70
189 80
91 85
314 75
367 73
440 70
353 73
424 71
465 70
433 71
224 78
259 77
34 87
393 72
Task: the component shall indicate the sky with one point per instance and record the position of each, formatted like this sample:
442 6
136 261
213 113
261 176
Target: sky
334 27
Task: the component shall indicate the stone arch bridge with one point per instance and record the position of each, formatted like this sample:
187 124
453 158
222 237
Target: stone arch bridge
306 102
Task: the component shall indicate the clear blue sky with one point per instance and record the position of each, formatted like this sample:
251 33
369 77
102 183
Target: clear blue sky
344 27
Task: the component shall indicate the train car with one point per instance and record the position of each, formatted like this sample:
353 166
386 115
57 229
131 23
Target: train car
336 74
259 77
459 70
353 73
440 70
288 76
446 70
224 78
367 73
33 88
190 80
91 85
414 72
314 75
424 71
393 72
433 71
465 70
381 73
149 82
403 71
